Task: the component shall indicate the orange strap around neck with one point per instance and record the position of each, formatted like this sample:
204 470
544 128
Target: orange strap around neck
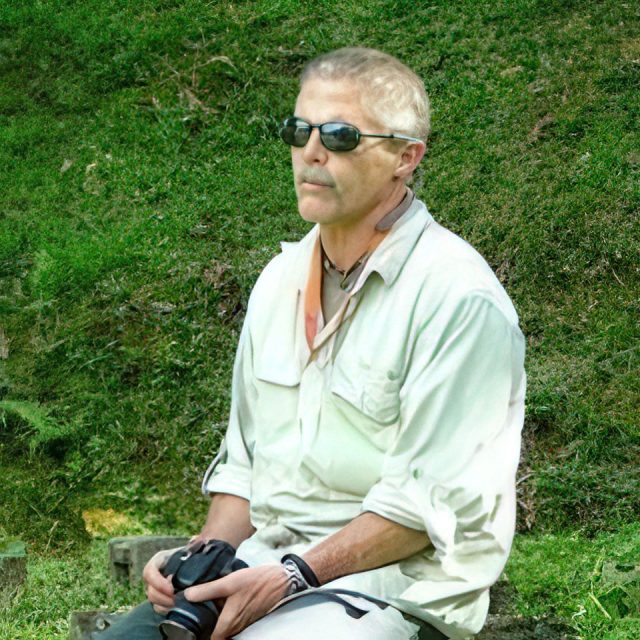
313 289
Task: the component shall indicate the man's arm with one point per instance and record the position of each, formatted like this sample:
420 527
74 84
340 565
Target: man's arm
367 542
228 520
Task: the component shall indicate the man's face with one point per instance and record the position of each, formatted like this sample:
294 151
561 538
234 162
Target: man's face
341 187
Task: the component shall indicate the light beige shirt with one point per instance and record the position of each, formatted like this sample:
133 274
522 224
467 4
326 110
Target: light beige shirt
411 408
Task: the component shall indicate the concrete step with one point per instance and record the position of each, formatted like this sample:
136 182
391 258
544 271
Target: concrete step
13 569
128 555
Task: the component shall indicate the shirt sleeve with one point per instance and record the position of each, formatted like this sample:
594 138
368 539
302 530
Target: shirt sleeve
451 469
230 471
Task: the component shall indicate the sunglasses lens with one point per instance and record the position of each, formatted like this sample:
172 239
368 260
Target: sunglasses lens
295 132
338 136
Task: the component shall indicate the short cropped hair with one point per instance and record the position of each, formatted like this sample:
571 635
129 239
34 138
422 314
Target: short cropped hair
391 92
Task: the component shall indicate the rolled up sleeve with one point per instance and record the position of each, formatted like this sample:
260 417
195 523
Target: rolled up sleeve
451 469
230 471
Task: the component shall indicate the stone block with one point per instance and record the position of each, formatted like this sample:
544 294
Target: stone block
129 555
84 624
13 569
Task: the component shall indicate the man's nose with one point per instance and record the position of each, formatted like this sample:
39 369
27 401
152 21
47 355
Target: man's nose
314 152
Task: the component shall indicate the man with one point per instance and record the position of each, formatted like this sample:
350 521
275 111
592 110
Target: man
377 400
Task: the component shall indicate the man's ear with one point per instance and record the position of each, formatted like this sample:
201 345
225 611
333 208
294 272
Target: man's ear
410 158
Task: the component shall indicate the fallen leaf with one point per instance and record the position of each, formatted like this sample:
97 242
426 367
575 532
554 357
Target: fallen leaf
539 128
104 521
163 307
511 71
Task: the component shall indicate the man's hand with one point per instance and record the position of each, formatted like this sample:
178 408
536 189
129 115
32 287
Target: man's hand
249 593
158 588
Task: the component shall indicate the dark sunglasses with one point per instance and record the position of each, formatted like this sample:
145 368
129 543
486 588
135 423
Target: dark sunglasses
335 136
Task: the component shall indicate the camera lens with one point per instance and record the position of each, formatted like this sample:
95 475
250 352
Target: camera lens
171 630
189 620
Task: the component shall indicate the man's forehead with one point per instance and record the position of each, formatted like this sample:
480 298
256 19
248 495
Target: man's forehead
326 100
327 92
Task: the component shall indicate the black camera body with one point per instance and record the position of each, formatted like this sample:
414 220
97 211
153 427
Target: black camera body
198 563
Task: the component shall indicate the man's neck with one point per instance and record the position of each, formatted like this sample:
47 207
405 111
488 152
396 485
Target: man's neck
344 244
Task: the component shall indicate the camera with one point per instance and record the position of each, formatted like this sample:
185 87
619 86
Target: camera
197 563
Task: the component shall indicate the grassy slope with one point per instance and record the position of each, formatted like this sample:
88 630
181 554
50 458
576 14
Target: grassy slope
142 192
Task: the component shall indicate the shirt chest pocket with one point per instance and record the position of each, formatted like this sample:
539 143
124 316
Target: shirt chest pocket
358 417
375 394
276 406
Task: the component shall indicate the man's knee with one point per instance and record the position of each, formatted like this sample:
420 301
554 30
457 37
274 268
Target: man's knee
140 624
318 620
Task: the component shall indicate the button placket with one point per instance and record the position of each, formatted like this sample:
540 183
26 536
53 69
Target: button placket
309 404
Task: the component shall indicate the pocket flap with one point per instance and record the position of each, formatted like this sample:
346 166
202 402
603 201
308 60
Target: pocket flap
284 371
370 391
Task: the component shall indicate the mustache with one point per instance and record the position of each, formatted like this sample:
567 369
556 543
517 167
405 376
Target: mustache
316 175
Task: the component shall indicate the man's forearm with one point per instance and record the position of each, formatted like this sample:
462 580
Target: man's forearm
228 520
367 542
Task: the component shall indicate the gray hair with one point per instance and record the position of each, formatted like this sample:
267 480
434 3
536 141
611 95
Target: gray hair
391 92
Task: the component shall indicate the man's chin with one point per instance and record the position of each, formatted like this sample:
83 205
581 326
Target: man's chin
313 215
313 210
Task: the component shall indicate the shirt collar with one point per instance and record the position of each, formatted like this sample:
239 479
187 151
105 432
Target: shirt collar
391 255
349 278
387 259
388 220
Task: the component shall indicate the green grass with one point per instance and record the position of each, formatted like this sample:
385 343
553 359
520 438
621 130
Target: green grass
593 583
57 586
143 189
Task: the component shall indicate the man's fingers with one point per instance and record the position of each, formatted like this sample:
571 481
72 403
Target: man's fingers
161 610
209 591
152 575
162 589
158 598
159 559
225 626
159 582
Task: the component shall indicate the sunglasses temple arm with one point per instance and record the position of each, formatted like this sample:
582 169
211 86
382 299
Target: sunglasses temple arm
397 136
